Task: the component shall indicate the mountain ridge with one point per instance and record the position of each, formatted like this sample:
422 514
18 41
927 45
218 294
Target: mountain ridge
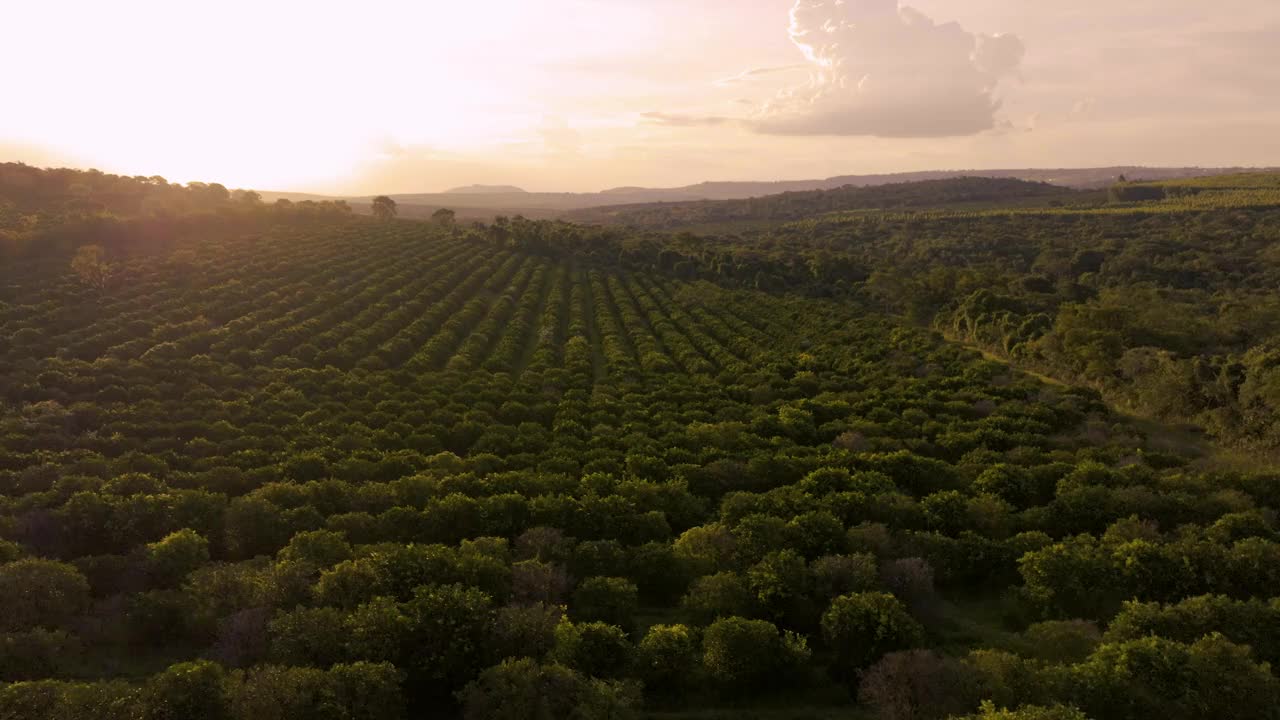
510 200
485 190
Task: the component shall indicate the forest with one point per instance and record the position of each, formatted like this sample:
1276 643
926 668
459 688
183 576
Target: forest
908 461
967 192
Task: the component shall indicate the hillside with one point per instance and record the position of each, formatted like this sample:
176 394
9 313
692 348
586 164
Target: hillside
965 191
1160 296
284 463
484 190
507 200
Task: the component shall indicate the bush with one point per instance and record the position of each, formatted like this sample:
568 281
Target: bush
1247 622
835 575
1157 678
593 648
187 691
41 593
667 658
720 595
751 654
171 559
310 636
1062 641
609 600
526 690
36 654
363 691
525 630
917 685
1027 712
861 628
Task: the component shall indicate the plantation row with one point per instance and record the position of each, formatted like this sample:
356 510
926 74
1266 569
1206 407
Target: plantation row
262 463
776 529
379 298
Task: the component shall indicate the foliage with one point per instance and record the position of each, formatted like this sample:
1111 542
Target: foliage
1027 712
863 627
318 465
384 208
962 191
751 654
520 689
41 593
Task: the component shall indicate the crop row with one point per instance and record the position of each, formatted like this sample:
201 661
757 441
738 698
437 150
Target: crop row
380 298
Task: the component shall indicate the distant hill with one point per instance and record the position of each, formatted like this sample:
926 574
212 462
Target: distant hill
1080 178
485 190
949 192
485 201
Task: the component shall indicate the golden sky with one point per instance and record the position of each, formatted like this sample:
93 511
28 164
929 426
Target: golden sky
422 95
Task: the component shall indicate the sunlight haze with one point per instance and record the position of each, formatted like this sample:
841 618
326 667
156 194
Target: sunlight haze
640 360
576 95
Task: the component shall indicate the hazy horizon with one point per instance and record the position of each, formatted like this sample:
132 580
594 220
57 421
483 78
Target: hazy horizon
584 95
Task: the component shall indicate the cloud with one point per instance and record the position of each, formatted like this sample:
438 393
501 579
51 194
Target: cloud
882 69
679 120
748 75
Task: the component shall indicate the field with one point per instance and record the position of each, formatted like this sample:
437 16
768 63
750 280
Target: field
276 462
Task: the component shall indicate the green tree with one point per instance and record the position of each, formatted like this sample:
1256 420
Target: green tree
667 658
443 217
862 627
609 600
1062 641
448 632
90 265
41 593
1027 712
112 700
1074 578
369 691
835 575
594 648
705 549
384 208
360 691
37 653
1255 623
1157 678
186 691
310 636
751 653
255 526
172 558
527 690
525 630
316 548
723 594
779 584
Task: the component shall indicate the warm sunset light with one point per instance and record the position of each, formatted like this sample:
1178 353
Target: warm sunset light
420 95
640 360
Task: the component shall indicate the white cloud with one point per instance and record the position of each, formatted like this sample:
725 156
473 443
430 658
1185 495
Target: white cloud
753 73
681 120
887 70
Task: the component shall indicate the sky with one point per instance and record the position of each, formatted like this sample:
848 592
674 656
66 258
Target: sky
582 95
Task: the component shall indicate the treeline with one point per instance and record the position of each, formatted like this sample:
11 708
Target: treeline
1168 310
971 191
729 261
51 211
1169 314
